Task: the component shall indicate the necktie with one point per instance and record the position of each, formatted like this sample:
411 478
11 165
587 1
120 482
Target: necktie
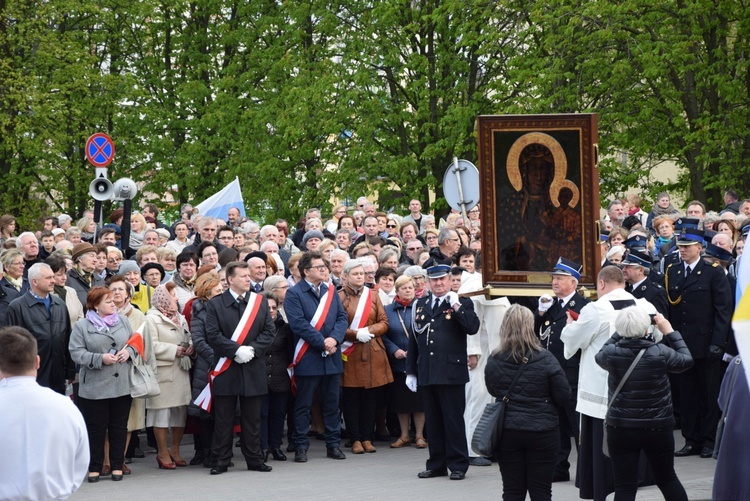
687 271
317 290
241 298
257 287
436 306
560 302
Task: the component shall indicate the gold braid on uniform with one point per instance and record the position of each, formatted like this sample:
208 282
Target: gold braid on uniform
666 286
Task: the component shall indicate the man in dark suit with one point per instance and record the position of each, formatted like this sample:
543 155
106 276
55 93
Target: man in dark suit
549 320
436 361
46 317
636 268
239 328
318 323
701 310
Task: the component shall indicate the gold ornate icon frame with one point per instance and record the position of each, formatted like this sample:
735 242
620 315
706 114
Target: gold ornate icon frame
540 197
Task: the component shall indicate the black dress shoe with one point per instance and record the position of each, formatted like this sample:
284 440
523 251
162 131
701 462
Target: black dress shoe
278 454
432 473
197 459
218 470
688 450
458 475
300 456
707 452
335 453
291 448
480 461
262 467
264 452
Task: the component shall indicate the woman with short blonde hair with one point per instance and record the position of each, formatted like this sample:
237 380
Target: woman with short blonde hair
527 449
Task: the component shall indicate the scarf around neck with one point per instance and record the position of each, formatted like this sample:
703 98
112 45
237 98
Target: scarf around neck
102 323
15 282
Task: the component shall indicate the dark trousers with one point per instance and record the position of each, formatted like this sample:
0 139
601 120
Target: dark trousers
221 445
625 446
527 463
594 477
568 419
108 416
444 406
329 387
359 406
700 412
273 415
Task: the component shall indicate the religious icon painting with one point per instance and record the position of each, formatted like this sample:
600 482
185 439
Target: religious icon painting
540 182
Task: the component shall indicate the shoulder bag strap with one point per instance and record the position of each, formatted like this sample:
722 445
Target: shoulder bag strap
524 361
625 377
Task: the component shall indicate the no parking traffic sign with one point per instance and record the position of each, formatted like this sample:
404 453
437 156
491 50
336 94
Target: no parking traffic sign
100 150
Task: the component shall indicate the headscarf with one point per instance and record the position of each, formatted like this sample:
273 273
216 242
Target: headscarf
166 303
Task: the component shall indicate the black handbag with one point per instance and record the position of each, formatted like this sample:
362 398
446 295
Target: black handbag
490 426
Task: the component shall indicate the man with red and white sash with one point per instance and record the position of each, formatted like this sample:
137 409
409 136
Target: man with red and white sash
239 328
318 322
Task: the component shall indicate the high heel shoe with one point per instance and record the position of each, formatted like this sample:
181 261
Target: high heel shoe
181 463
165 466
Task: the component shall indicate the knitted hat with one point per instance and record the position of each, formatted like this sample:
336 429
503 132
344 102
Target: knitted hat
127 266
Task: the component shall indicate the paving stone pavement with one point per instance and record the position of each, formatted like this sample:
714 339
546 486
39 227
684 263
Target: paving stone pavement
388 474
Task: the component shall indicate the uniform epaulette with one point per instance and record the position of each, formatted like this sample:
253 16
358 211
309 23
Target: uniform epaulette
715 265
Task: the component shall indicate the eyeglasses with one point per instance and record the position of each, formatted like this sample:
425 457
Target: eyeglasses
413 248
473 211
369 273
18 263
212 254
390 225
319 267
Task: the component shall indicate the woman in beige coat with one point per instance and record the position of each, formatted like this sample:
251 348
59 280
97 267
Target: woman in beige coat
172 348
366 367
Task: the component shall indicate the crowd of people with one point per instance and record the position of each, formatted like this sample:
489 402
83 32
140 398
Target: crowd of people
290 327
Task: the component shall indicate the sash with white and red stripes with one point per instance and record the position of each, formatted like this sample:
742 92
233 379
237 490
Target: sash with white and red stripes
361 316
238 336
317 321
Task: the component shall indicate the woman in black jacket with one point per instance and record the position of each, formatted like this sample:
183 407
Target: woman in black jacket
640 417
278 357
530 440
206 287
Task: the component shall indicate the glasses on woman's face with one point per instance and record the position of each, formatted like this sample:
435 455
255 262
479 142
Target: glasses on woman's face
391 226
18 263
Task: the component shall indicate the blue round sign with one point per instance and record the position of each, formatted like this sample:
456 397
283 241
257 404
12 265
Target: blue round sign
100 150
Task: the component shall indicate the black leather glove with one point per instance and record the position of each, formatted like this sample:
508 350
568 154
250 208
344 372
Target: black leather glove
715 352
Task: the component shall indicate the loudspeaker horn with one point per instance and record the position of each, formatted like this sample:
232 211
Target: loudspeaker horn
101 189
125 189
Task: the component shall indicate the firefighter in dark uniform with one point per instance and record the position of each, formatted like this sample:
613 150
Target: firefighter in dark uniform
436 360
549 320
636 268
700 308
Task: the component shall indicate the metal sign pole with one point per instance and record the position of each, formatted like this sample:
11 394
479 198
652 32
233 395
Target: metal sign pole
462 202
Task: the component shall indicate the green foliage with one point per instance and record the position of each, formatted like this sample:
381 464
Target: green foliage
309 100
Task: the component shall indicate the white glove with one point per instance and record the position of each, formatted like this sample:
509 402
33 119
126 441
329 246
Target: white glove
244 354
411 382
452 298
364 336
545 303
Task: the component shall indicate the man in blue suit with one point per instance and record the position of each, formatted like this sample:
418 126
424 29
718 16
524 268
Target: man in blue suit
318 322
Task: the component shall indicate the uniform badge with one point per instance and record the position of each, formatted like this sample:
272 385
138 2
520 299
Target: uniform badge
448 316
643 287
700 272
572 303
546 323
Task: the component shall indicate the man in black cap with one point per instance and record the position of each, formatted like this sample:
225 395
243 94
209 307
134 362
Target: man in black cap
436 360
636 268
549 320
700 308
